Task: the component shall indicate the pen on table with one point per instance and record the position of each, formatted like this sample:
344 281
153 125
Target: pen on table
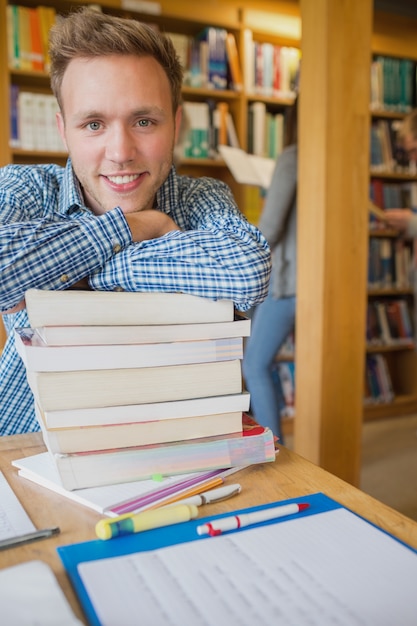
138 522
217 527
20 540
209 497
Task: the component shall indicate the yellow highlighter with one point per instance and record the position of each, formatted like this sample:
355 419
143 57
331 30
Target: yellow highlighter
128 524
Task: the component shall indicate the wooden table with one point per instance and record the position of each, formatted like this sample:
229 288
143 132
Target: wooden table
290 476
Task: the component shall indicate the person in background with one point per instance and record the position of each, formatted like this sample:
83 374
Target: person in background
405 220
117 217
274 319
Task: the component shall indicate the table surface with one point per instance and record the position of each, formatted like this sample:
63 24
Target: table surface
288 477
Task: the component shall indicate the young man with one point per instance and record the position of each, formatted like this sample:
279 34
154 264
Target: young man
117 217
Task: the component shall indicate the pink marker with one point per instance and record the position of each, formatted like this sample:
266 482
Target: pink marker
219 526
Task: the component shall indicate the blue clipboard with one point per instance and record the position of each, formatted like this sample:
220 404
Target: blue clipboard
74 554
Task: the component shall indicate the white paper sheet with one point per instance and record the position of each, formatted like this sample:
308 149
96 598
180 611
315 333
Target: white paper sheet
31 596
332 568
14 520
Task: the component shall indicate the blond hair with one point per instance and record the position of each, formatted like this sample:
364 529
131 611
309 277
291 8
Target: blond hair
88 33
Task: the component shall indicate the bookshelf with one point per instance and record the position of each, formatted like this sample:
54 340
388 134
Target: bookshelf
394 185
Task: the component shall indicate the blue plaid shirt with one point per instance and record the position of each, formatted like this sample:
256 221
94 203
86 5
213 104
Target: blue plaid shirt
50 240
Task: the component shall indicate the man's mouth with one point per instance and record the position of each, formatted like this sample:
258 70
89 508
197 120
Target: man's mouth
123 180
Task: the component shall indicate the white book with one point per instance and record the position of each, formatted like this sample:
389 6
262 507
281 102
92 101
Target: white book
40 120
157 432
258 113
140 385
148 412
110 308
110 500
161 333
25 106
39 357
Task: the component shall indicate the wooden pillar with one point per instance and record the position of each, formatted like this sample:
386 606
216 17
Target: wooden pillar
332 232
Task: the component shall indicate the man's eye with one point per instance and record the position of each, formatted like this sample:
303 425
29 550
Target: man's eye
144 123
93 126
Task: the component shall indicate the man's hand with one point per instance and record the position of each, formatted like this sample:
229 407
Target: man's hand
398 218
16 308
149 224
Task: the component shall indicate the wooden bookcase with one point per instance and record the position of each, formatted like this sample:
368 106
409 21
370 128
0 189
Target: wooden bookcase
394 36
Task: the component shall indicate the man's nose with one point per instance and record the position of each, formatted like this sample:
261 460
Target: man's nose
120 145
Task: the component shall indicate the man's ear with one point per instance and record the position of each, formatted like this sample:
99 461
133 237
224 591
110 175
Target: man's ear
61 127
179 120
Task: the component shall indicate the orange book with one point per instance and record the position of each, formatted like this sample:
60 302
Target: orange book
223 109
234 63
47 16
36 48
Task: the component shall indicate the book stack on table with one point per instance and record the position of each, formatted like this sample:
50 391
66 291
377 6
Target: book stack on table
128 386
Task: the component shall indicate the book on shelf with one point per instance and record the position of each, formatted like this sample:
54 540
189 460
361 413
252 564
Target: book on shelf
234 62
196 142
92 469
117 387
161 333
74 307
378 385
389 323
147 412
215 40
93 438
38 356
36 52
119 498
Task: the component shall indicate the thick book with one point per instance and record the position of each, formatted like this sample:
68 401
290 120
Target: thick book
147 412
92 469
92 438
111 308
38 356
117 387
121 498
161 333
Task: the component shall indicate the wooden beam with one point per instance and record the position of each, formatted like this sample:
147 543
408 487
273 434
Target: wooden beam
332 232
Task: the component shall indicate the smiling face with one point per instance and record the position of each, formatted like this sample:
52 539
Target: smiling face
119 128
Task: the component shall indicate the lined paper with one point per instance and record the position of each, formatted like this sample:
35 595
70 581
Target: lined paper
14 520
332 568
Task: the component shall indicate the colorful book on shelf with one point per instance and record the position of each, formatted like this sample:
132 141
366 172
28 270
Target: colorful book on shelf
156 333
92 469
93 438
99 388
38 356
120 498
110 308
157 411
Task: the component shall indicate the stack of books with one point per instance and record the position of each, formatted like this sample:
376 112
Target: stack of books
130 386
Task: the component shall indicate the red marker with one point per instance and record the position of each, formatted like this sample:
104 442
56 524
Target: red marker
216 527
